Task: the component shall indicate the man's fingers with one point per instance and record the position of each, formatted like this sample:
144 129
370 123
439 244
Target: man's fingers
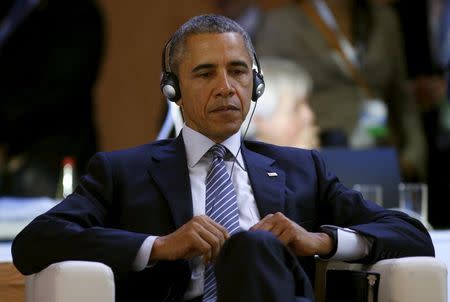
213 234
220 227
218 230
200 239
201 236
263 224
278 229
213 226
286 236
214 243
270 222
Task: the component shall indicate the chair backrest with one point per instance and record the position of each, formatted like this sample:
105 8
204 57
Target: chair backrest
367 166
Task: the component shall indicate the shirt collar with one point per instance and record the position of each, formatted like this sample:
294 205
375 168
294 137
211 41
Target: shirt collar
196 145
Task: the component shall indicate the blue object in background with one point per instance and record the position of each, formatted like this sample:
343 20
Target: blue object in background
367 166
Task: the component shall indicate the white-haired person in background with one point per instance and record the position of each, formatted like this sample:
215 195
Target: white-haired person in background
283 115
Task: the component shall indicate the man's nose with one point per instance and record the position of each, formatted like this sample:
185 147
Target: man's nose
224 86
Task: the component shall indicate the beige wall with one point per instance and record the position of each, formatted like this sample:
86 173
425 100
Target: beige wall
129 105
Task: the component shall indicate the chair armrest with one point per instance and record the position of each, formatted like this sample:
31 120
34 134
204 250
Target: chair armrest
409 279
412 279
71 281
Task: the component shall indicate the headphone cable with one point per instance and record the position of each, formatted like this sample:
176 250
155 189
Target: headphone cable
243 137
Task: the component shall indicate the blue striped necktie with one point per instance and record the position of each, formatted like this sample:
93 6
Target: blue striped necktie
220 205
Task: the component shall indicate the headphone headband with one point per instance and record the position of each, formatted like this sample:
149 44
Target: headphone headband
164 66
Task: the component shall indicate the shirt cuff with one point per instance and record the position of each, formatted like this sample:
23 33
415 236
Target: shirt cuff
143 255
351 245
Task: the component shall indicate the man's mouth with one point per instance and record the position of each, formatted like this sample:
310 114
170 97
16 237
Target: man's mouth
225 108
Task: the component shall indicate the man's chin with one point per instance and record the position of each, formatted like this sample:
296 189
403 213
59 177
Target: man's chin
226 131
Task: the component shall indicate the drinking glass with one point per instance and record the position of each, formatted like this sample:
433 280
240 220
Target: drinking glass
414 197
372 192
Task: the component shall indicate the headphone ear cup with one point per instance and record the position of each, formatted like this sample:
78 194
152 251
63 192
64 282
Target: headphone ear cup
258 85
169 86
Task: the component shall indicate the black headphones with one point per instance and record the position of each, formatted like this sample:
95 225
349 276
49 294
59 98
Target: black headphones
171 89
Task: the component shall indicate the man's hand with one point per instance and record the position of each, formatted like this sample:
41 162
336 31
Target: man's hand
301 242
201 236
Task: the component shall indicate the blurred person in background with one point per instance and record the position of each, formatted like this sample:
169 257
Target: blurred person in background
426 28
283 115
353 51
245 12
50 53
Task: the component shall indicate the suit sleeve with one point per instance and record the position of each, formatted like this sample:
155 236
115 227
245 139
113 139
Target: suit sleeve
81 227
394 234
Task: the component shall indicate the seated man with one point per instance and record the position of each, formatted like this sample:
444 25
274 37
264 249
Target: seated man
283 115
206 216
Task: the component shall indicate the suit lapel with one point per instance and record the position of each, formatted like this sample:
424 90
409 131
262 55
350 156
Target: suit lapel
170 172
267 181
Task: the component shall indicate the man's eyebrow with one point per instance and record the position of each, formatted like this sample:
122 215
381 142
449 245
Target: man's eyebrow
239 63
203 66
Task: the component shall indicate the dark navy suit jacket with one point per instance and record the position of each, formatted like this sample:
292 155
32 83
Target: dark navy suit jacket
130 194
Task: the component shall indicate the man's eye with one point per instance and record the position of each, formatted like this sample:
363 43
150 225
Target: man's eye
239 72
205 74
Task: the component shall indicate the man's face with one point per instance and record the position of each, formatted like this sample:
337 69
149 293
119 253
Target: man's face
215 75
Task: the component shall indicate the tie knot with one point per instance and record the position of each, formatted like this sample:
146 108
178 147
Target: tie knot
218 151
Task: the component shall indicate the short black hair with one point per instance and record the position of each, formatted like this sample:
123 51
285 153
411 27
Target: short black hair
201 24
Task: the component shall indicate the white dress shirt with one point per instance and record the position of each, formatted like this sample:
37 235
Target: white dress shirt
351 246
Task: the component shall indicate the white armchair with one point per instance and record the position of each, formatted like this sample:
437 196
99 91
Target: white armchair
412 279
71 281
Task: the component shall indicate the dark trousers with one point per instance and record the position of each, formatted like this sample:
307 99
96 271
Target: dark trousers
256 266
